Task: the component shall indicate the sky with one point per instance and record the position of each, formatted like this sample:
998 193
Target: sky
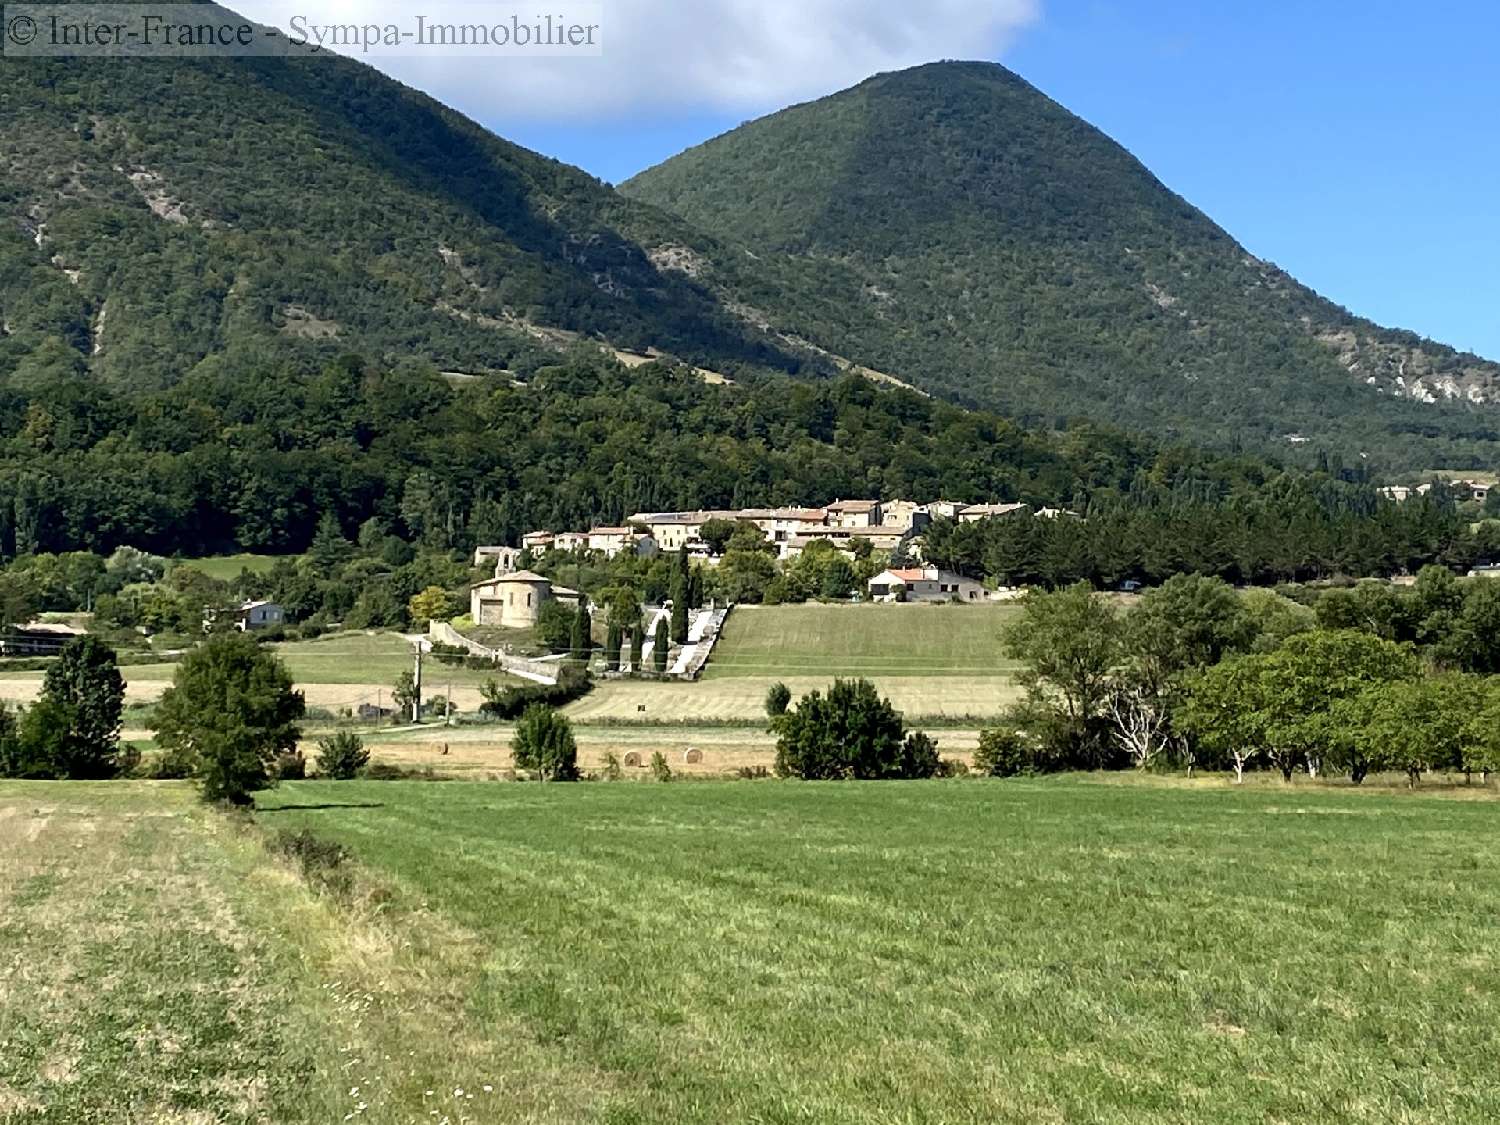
1354 144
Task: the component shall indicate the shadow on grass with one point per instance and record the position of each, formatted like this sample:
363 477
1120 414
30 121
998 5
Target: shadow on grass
325 805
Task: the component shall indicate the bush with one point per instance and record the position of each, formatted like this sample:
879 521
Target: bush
1008 753
342 756
919 757
778 699
660 771
175 763
389 771
512 702
850 733
321 862
613 771
752 773
451 654
290 766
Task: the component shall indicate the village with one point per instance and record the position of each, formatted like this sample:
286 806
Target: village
514 596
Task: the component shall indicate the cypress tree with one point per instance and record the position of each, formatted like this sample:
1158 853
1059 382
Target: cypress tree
612 642
637 648
660 646
581 643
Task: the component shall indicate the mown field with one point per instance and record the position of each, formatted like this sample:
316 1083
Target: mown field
1069 949
776 642
941 664
741 699
338 671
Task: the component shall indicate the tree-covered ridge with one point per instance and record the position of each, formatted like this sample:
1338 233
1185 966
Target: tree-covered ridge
239 211
217 462
974 237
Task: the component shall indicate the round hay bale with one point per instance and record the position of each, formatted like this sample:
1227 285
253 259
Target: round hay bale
633 759
692 755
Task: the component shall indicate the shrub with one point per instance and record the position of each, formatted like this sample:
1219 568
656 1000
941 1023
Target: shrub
512 702
174 763
919 757
778 699
660 771
613 771
290 766
544 745
342 756
752 773
850 733
1007 753
321 862
389 771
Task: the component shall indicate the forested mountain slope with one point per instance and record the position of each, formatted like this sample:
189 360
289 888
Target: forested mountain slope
976 238
157 215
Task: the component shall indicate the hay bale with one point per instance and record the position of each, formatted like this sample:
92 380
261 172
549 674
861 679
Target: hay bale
692 755
633 759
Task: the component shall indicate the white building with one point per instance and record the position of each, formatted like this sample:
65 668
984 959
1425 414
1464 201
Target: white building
924 584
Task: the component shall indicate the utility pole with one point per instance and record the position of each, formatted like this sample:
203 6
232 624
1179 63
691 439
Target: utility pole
416 692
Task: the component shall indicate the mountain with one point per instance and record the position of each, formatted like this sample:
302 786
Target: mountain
953 226
159 216
947 227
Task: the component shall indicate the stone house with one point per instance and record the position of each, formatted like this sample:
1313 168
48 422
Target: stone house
614 541
854 513
514 601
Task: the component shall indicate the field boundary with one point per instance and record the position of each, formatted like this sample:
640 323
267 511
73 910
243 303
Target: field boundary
536 671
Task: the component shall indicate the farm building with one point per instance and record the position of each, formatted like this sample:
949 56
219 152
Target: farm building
40 638
924 584
514 601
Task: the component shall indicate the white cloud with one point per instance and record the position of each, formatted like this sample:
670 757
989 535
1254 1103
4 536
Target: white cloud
680 55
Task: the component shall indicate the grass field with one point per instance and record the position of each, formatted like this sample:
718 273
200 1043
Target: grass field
337 671
1073 949
774 642
227 567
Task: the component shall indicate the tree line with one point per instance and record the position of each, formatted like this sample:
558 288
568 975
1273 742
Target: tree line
1198 675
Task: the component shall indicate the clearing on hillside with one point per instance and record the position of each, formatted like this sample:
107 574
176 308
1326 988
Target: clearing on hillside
1051 950
226 568
907 641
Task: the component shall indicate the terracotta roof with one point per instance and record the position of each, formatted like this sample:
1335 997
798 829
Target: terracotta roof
853 505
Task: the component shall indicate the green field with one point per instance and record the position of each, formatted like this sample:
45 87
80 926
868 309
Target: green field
337 671
1072 949
227 567
863 640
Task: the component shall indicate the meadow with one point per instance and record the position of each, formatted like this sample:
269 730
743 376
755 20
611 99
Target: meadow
1106 949
226 568
863 640
342 670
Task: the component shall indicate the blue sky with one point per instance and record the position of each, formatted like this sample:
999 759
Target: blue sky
1352 142
1357 145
